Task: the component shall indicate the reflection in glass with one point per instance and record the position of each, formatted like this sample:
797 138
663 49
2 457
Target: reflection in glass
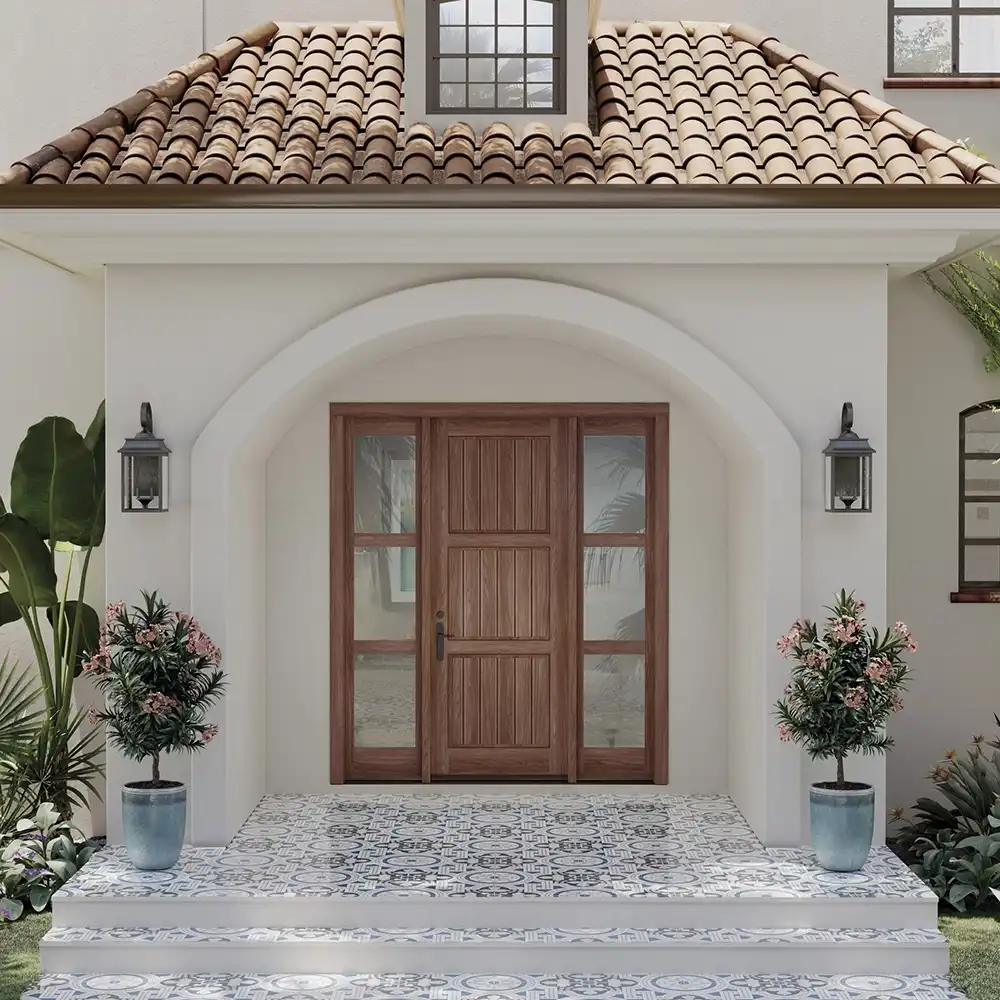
385 484
614 593
385 593
385 700
982 432
982 477
922 44
614 700
614 484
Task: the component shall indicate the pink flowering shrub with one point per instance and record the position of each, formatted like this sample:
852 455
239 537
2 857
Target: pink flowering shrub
159 673
846 681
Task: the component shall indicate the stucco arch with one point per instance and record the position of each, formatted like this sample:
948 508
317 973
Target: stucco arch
227 522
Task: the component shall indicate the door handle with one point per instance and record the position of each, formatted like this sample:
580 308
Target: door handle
440 635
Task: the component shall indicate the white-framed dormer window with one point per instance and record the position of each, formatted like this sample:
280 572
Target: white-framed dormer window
486 61
496 55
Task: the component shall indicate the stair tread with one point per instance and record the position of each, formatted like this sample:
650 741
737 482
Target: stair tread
499 935
511 987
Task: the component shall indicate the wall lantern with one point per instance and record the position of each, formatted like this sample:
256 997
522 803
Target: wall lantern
144 468
848 469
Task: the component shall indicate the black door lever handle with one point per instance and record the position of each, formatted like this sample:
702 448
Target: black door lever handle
440 635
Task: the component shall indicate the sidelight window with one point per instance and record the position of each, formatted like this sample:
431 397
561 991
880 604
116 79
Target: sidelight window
979 499
946 38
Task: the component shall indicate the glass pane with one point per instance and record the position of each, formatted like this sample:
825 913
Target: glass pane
385 593
482 40
982 563
511 95
482 95
982 477
385 484
510 11
539 11
481 12
541 95
385 700
453 70
614 700
510 40
453 12
982 520
540 40
481 70
982 431
614 484
453 40
540 70
511 71
922 44
453 95
979 44
614 594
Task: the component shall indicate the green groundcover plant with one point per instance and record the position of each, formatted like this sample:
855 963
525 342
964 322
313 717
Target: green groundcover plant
846 681
159 673
36 859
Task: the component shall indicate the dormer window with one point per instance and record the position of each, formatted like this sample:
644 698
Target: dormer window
496 55
483 62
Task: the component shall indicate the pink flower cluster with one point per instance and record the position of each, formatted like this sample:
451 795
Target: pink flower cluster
198 642
816 659
211 731
147 636
845 629
159 704
791 638
879 669
785 732
855 697
897 703
900 630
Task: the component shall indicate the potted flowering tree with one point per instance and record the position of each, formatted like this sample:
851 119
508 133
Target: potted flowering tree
845 683
159 673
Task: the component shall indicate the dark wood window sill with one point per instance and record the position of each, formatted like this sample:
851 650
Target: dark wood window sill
976 597
941 82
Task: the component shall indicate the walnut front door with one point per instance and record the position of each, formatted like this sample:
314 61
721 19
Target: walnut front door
501 610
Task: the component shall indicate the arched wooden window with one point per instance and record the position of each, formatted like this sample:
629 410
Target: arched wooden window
496 55
979 499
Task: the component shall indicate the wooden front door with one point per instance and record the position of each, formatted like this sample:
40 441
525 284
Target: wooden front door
499 597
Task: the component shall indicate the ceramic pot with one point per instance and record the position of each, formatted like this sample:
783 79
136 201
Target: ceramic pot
843 823
153 824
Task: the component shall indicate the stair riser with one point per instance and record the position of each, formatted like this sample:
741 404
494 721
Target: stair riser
295 912
123 958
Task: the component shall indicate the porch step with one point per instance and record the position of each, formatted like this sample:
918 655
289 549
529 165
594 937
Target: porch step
492 951
510 986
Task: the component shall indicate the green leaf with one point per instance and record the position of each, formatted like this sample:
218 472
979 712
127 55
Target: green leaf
24 555
39 895
9 611
46 817
90 627
53 482
64 870
11 909
95 440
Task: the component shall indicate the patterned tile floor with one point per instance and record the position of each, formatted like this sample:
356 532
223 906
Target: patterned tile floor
605 845
509 987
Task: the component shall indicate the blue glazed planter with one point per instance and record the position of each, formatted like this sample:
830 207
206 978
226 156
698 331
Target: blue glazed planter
153 823
843 823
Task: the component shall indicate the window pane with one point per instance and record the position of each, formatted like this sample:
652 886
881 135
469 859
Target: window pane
982 563
453 95
614 701
385 484
482 12
614 594
510 11
385 700
541 95
540 40
922 44
614 484
511 71
539 11
511 95
453 12
453 70
982 520
482 95
481 70
510 39
482 40
540 70
979 44
982 477
453 40
982 432
385 593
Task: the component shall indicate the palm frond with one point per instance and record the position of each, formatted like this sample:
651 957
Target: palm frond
625 515
20 713
975 294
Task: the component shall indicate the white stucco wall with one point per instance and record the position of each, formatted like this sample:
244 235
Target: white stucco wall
499 369
102 53
935 372
805 338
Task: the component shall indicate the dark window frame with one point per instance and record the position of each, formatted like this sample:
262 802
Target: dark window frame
952 9
973 586
434 57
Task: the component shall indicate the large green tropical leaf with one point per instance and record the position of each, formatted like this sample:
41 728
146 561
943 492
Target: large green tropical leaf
9 611
26 559
19 711
90 626
95 441
52 484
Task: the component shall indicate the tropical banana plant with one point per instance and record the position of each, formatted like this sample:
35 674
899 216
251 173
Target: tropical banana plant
57 505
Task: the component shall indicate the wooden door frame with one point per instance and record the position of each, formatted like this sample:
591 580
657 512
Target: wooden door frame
414 764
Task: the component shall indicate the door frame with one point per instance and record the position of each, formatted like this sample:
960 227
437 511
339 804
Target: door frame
348 763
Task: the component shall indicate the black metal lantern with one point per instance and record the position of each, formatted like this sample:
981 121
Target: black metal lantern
848 469
144 468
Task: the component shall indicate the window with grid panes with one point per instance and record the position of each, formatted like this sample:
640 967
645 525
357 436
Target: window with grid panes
496 55
944 38
979 506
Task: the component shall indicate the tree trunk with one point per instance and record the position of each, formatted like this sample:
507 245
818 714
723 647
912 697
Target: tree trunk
156 769
840 771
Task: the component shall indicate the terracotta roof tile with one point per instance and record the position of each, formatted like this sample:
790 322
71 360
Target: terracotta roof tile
673 103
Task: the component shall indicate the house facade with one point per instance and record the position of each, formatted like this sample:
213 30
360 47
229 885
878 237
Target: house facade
497 433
